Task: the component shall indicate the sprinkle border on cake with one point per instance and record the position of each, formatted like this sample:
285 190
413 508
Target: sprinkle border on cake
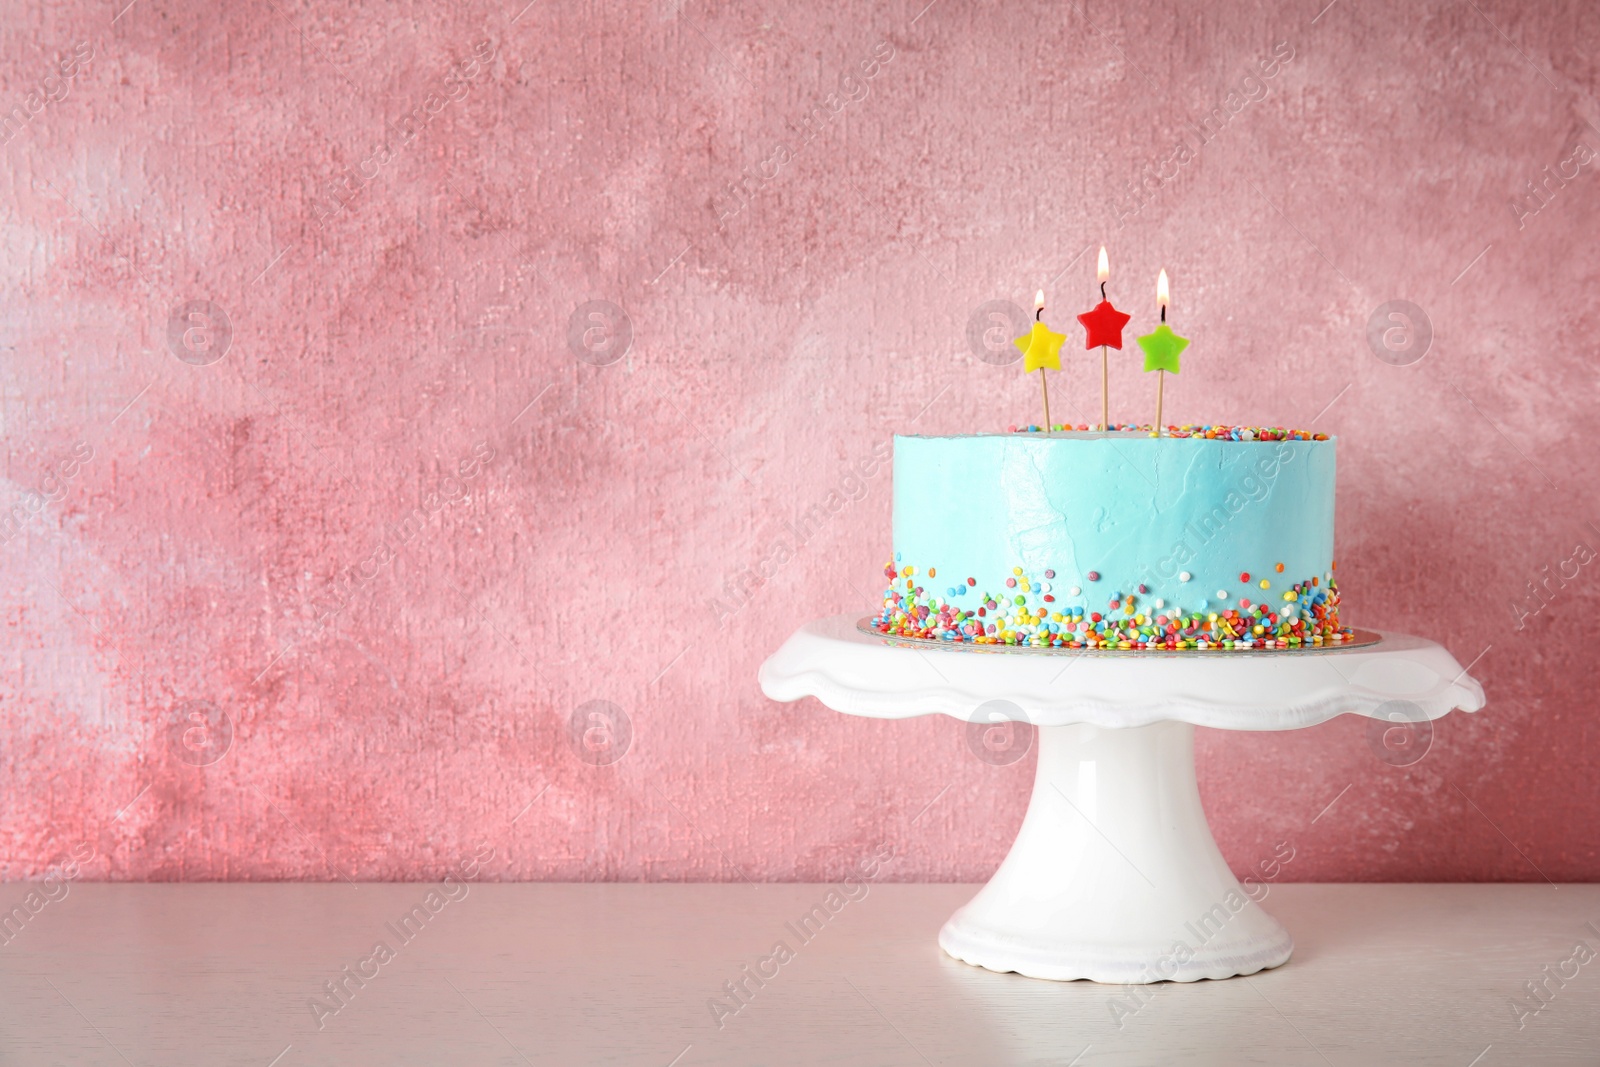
1300 614
1216 432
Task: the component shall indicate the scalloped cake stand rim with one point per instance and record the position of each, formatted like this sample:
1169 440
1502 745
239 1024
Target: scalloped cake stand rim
1401 678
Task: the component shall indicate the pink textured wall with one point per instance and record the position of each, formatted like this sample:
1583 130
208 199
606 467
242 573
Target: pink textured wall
328 509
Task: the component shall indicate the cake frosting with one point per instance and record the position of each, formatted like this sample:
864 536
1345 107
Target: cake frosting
1221 537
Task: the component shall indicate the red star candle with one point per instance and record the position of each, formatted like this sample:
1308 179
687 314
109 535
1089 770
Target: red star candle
1104 328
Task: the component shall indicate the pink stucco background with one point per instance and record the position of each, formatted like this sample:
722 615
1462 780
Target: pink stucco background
315 593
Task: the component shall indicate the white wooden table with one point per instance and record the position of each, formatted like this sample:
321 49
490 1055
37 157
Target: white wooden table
627 974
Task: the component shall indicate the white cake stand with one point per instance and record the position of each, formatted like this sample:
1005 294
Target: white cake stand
1114 875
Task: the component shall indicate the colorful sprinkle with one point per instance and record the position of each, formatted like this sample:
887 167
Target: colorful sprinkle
1308 617
1218 432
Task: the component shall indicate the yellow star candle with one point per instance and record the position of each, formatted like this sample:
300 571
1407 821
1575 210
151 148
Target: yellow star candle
1162 348
1041 348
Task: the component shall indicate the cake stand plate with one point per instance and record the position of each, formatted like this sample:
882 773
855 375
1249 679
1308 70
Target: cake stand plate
1114 875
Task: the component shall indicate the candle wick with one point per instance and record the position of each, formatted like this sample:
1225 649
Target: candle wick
1163 313
1102 290
1038 312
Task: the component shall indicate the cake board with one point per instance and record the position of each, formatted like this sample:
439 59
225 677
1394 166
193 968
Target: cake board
1114 875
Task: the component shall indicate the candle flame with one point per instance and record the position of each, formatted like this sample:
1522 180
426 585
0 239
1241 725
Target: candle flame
1162 296
1103 271
1038 300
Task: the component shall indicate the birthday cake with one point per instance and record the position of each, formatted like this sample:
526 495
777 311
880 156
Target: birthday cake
1205 537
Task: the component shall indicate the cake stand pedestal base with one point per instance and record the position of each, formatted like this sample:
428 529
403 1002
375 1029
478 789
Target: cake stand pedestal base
1114 875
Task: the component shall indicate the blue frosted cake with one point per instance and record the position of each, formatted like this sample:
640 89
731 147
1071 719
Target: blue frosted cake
1216 537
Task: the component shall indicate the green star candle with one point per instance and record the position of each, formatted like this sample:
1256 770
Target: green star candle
1161 349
